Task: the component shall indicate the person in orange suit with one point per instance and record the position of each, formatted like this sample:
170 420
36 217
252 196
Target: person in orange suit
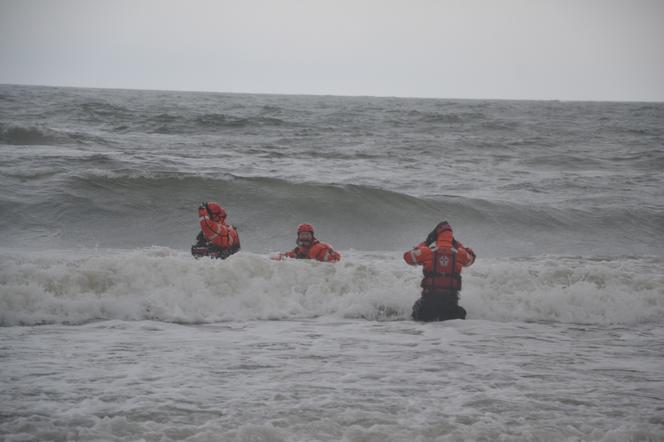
216 239
442 258
308 247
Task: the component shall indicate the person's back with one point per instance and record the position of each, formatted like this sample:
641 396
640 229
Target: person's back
442 264
221 239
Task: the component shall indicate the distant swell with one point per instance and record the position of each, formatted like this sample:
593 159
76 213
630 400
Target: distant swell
112 210
462 117
19 135
103 112
173 124
30 135
222 120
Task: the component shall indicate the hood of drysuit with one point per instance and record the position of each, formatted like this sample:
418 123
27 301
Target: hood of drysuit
445 239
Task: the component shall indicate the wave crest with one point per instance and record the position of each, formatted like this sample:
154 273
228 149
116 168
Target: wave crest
20 135
32 135
124 203
164 285
223 120
174 124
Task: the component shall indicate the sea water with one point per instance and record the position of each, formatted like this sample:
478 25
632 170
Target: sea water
110 330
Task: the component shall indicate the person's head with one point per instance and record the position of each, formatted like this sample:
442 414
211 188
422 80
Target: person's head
217 213
305 235
444 235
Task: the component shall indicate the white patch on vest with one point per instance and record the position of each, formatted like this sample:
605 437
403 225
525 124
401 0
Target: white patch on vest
443 261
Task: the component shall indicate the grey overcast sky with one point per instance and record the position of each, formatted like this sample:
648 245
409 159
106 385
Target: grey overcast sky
514 49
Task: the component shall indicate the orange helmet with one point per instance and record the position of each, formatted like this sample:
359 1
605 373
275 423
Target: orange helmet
216 210
305 235
305 228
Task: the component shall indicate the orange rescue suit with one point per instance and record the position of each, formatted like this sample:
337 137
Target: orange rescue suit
318 250
218 232
442 264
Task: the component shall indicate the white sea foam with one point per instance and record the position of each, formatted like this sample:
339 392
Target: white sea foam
167 285
625 290
329 379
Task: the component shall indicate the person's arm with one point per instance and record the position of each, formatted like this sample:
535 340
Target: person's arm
417 255
208 228
290 254
234 238
465 255
327 254
334 256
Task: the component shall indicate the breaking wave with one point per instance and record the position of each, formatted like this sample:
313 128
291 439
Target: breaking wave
165 285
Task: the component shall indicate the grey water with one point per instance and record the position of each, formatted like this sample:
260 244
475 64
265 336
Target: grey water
109 330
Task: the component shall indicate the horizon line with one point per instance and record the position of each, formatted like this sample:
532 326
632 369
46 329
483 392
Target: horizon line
341 95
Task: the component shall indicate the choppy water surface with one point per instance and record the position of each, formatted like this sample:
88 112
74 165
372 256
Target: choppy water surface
109 330
327 379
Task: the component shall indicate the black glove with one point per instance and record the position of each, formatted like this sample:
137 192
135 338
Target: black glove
203 210
431 237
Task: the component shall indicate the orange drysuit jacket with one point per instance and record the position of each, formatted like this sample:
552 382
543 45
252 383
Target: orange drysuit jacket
442 264
318 250
218 232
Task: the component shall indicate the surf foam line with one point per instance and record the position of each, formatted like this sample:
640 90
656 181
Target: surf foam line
166 285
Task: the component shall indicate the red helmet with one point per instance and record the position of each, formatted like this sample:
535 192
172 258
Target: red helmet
305 228
216 210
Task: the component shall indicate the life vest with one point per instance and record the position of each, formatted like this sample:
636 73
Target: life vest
323 252
319 251
219 233
204 247
443 275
